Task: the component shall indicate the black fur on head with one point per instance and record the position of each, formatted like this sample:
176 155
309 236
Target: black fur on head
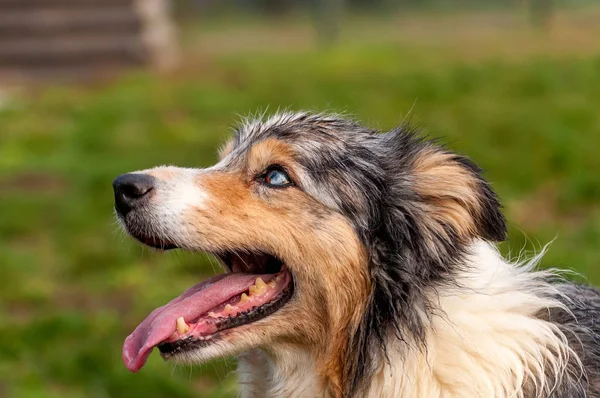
415 206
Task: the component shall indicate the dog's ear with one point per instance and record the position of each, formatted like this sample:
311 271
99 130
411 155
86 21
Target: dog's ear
448 198
453 194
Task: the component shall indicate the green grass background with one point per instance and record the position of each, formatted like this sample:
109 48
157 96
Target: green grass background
524 105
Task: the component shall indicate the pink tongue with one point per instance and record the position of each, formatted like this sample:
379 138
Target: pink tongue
193 303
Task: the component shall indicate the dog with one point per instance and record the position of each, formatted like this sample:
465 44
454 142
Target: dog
357 264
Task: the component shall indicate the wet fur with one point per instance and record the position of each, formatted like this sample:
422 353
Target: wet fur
428 307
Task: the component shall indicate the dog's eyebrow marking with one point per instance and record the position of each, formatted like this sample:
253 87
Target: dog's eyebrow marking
268 152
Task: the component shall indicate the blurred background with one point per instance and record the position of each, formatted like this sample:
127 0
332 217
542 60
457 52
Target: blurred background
90 89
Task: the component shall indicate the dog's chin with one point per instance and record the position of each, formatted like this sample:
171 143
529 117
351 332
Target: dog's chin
155 243
224 344
153 240
216 317
196 355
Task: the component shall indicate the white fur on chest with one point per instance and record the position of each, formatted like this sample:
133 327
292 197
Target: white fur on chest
486 339
290 375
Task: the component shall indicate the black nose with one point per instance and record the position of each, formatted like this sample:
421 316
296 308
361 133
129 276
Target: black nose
130 190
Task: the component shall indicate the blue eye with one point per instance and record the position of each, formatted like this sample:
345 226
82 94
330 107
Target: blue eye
276 177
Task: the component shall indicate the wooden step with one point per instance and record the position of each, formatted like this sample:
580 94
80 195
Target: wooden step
72 50
74 38
59 74
21 23
68 4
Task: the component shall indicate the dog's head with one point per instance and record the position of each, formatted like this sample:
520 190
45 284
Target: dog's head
329 234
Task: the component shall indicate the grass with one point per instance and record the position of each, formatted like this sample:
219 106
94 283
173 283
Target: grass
73 286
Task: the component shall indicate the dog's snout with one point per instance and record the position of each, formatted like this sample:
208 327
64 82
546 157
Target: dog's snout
130 190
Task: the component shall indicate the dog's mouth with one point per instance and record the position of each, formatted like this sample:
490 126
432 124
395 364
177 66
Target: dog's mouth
256 286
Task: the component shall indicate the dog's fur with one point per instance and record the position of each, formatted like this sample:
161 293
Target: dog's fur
399 290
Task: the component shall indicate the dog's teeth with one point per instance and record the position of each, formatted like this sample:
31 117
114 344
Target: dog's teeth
182 326
228 308
258 288
244 298
212 315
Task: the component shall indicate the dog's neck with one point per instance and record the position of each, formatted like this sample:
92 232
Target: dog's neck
483 339
288 374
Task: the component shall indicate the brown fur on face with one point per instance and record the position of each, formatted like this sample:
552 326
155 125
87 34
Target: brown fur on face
318 245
